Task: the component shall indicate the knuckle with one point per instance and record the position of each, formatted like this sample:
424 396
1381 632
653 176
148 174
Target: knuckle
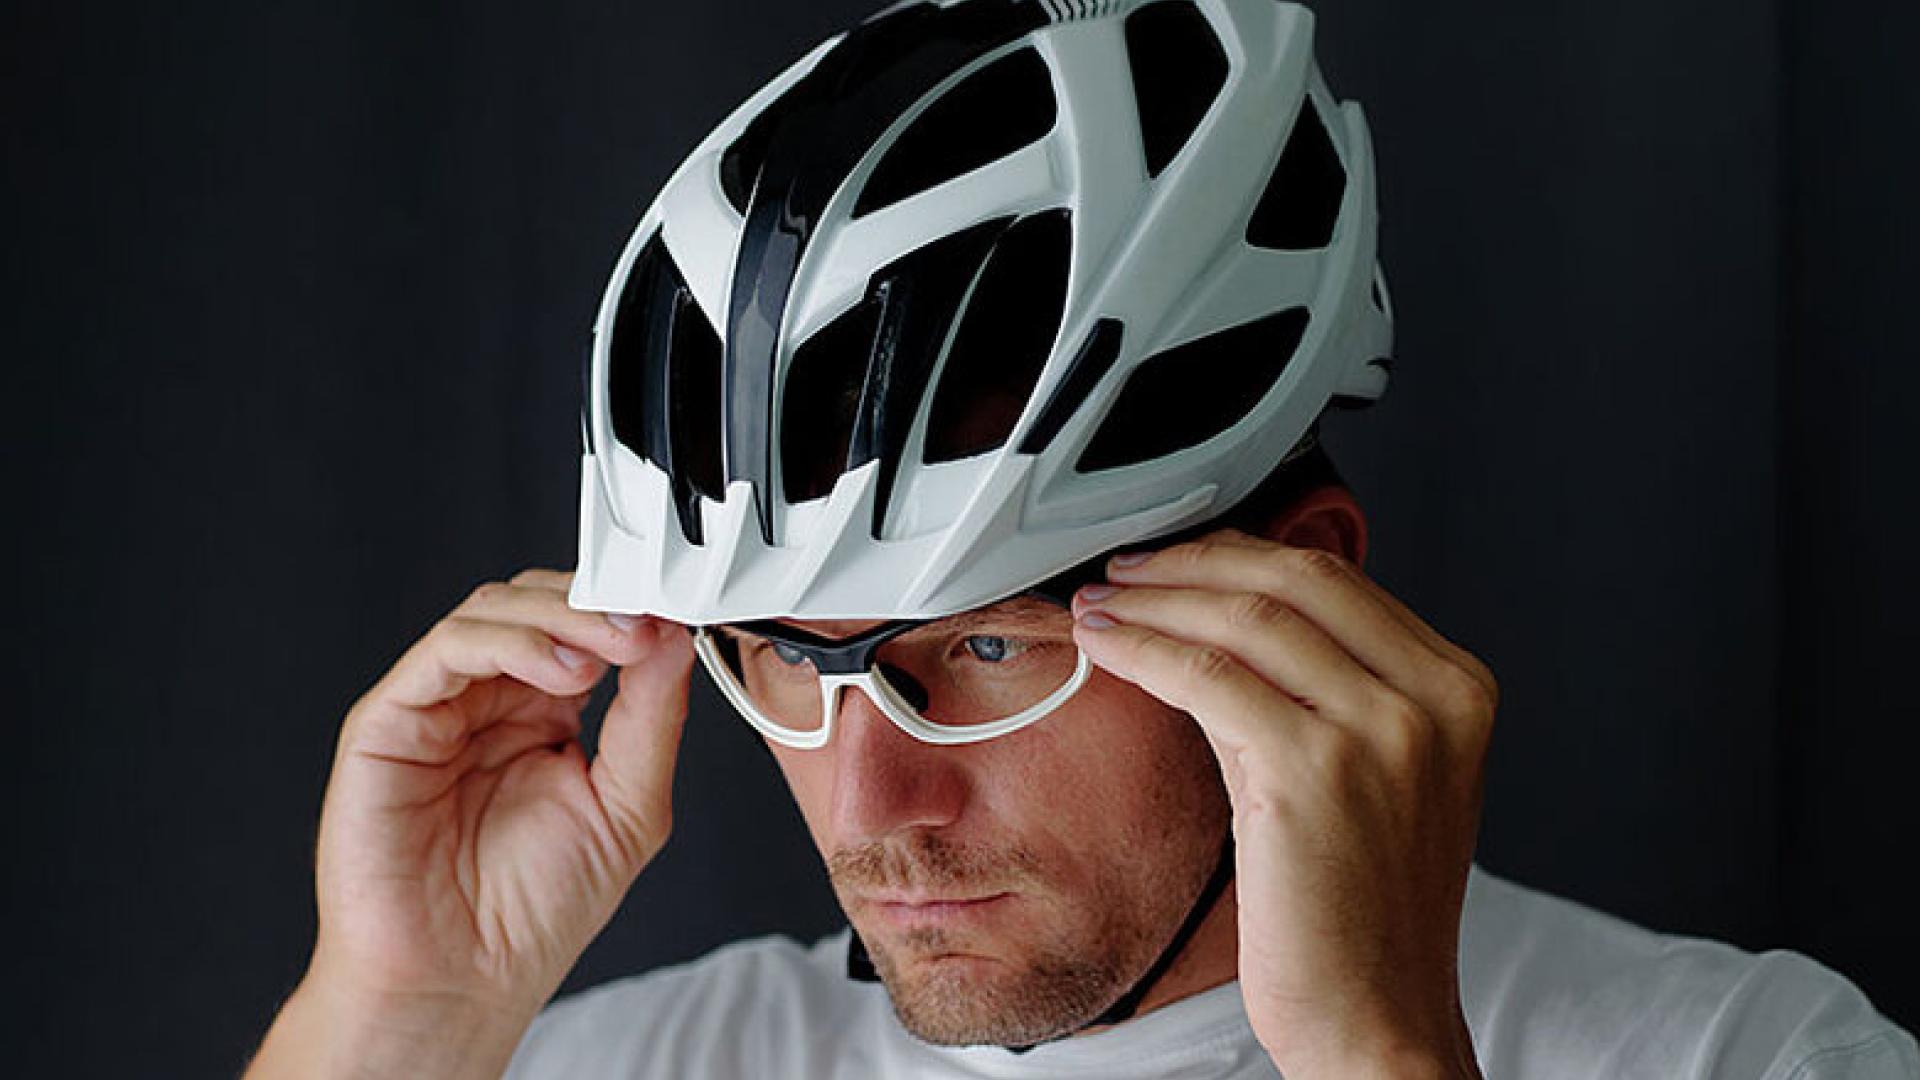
530 639
500 639
1334 751
1405 729
1489 684
1317 563
1466 695
1253 610
1208 664
1198 549
452 627
1399 710
486 593
533 575
460 627
1402 715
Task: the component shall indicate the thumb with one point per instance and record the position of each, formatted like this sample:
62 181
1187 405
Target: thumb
640 740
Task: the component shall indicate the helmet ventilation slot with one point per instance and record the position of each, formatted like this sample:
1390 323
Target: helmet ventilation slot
1301 203
663 381
1190 393
821 403
740 165
1004 106
1179 69
1004 339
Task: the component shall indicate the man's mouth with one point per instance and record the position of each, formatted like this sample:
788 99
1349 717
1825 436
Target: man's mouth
924 909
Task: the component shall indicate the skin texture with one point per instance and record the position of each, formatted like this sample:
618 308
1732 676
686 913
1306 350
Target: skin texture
1102 821
1351 737
469 851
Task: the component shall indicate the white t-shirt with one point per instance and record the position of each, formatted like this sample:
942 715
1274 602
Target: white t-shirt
1551 989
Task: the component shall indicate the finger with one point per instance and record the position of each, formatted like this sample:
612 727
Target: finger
410 717
538 578
545 721
1434 640
1275 641
460 651
616 639
1235 707
1323 587
640 741
420 754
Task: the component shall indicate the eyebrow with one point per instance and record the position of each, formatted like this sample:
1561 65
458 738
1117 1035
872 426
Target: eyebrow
1036 614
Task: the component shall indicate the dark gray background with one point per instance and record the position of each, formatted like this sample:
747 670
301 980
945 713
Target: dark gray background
294 301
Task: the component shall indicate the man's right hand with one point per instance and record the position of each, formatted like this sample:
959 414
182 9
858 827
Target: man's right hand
468 851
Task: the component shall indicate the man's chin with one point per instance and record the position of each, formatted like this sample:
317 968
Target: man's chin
956 996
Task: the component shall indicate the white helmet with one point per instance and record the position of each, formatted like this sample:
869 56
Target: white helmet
973 292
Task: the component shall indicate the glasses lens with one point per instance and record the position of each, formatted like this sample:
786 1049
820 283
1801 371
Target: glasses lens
781 683
981 666
974 668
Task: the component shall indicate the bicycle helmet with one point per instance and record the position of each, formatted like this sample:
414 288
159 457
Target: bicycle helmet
971 293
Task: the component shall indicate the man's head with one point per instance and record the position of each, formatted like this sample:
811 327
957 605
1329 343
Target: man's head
1076 846
971 294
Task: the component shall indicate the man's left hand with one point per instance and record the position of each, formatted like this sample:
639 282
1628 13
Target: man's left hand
1351 736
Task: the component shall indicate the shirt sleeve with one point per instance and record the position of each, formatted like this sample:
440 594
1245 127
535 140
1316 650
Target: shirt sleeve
1819 1025
1889 1054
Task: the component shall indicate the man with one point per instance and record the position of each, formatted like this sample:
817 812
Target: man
955 407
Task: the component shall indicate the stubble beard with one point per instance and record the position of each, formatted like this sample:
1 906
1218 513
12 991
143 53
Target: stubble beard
1085 960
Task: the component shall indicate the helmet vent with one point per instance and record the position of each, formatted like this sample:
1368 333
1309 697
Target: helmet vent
822 401
1004 106
1190 393
1179 69
663 381
1004 340
1091 362
1301 204
740 165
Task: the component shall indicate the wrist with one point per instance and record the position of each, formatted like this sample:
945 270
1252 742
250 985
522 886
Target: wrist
328 1029
1382 1063
1387 1053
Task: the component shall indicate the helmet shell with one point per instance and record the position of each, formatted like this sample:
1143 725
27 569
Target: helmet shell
1180 277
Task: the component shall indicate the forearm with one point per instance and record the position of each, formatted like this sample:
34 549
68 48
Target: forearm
323 1033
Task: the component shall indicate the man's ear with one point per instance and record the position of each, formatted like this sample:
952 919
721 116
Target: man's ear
1328 518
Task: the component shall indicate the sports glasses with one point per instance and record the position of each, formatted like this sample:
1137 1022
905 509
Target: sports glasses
958 679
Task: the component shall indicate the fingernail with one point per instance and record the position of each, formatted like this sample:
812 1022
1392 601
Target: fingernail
1097 620
573 658
1131 559
1093 594
623 623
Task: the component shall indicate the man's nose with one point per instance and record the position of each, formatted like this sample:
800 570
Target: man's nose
885 780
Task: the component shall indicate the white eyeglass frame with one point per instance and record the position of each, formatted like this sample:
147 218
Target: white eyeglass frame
888 700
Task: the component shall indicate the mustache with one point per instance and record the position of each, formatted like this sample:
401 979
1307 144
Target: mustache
922 861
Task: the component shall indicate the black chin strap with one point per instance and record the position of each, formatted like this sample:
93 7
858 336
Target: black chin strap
860 965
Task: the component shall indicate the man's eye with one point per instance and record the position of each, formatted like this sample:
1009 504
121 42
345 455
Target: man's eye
788 654
992 648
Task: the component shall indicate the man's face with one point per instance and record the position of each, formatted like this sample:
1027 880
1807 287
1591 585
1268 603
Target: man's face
1012 889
